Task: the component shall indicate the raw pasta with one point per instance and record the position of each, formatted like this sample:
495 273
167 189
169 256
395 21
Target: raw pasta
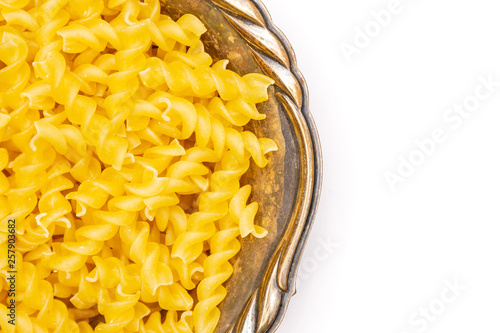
122 146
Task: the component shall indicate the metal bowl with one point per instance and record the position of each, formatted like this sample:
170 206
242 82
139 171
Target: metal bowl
288 189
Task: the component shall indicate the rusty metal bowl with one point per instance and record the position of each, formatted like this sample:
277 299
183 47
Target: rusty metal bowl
288 189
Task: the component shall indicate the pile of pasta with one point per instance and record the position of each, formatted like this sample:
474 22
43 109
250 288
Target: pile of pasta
122 147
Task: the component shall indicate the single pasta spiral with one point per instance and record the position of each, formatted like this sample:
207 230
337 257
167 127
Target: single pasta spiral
122 148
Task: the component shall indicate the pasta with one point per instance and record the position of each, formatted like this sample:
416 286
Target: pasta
122 146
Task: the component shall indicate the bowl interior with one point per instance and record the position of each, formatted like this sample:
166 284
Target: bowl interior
274 187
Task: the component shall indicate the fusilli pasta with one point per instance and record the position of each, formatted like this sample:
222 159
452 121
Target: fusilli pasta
122 146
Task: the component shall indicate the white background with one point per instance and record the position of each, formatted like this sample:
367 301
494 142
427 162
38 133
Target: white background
393 251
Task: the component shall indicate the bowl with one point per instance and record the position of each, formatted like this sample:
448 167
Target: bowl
288 189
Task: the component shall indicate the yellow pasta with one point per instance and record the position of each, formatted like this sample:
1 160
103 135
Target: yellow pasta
122 146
